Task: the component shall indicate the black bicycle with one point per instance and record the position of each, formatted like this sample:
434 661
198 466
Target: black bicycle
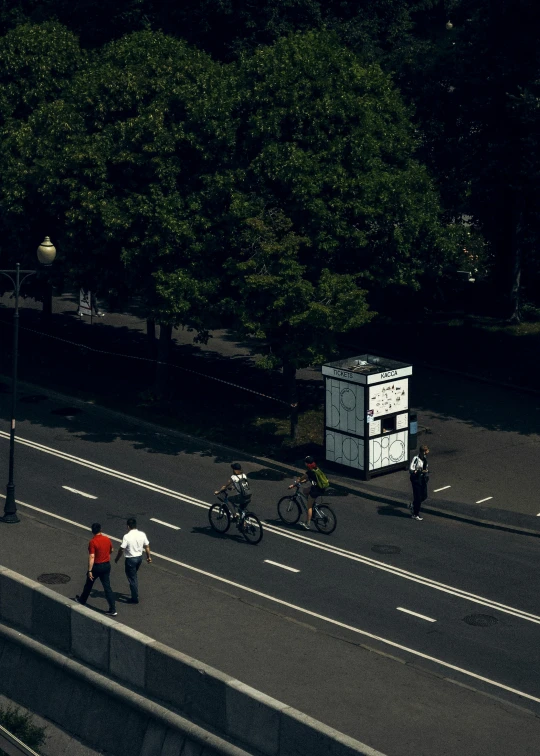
248 523
290 508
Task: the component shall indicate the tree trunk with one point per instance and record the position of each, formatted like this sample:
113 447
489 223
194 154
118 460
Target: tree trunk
517 255
151 337
291 389
162 369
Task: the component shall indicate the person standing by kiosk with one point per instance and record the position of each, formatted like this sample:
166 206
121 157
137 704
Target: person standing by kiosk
419 474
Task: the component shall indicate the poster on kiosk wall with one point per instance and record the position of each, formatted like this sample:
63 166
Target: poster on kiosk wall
387 398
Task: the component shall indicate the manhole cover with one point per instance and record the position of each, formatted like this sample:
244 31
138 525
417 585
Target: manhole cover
66 411
386 549
480 620
53 578
32 398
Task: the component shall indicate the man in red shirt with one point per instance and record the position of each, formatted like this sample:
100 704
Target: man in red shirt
99 566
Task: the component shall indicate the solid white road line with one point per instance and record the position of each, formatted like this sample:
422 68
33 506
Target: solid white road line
308 612
291 535
167 524
436 490
482 500
415 614
81 493
283 566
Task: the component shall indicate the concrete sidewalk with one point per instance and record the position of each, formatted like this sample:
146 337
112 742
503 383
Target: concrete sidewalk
398 707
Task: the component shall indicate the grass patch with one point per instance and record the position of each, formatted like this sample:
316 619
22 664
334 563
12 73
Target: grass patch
20 724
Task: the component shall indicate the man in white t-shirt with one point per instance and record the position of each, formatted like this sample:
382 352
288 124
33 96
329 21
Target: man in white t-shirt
133 545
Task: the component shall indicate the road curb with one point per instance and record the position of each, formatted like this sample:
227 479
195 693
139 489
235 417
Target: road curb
501 519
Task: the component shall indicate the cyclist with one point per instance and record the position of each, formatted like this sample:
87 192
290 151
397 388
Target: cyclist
313 491
239 482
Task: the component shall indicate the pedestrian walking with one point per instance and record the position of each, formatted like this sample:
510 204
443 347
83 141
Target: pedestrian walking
100 549
133 545
419 474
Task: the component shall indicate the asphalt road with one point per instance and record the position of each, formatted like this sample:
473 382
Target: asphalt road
484 438
458 599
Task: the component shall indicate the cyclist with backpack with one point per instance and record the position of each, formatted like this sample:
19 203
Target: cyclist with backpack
239 482
318 485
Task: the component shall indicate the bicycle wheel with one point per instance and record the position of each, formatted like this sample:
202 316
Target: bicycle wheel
219 517
289 510
251 528
324 518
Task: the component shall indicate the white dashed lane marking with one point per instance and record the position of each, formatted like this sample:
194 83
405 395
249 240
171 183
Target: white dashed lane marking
167 524
436 490
482 500
283 566
415 614
81 493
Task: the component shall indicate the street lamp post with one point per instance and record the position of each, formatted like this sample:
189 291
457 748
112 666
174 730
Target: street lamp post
46 253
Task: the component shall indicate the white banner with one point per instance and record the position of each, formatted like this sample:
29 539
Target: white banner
85 302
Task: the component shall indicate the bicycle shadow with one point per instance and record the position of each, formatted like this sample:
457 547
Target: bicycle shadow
279 523
208 531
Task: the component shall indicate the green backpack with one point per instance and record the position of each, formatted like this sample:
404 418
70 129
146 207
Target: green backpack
322 480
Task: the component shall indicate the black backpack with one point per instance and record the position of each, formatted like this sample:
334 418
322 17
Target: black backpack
242 486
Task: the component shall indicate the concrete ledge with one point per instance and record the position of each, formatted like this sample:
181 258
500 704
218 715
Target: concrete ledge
90 636
127 656
108 715
92 696
253 717
195 688
16 598
51 618
301 735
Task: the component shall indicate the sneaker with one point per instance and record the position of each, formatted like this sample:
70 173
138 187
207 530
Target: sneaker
111 614
78 599
304 525
132 601
417 517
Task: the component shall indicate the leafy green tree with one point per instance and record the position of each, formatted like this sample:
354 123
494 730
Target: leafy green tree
156 118
474 87
225 28
325 151
293 317
130 159
36 64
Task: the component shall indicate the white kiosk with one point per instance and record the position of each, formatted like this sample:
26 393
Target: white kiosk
366 415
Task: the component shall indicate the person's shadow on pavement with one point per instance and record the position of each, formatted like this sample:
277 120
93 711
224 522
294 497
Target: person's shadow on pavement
389 511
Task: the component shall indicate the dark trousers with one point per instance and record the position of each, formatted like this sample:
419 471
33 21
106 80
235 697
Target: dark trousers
103 572
131 565
419 487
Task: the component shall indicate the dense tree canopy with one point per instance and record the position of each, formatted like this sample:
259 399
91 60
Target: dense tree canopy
156 165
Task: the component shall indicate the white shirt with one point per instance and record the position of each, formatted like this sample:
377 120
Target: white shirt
417 465
133 543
